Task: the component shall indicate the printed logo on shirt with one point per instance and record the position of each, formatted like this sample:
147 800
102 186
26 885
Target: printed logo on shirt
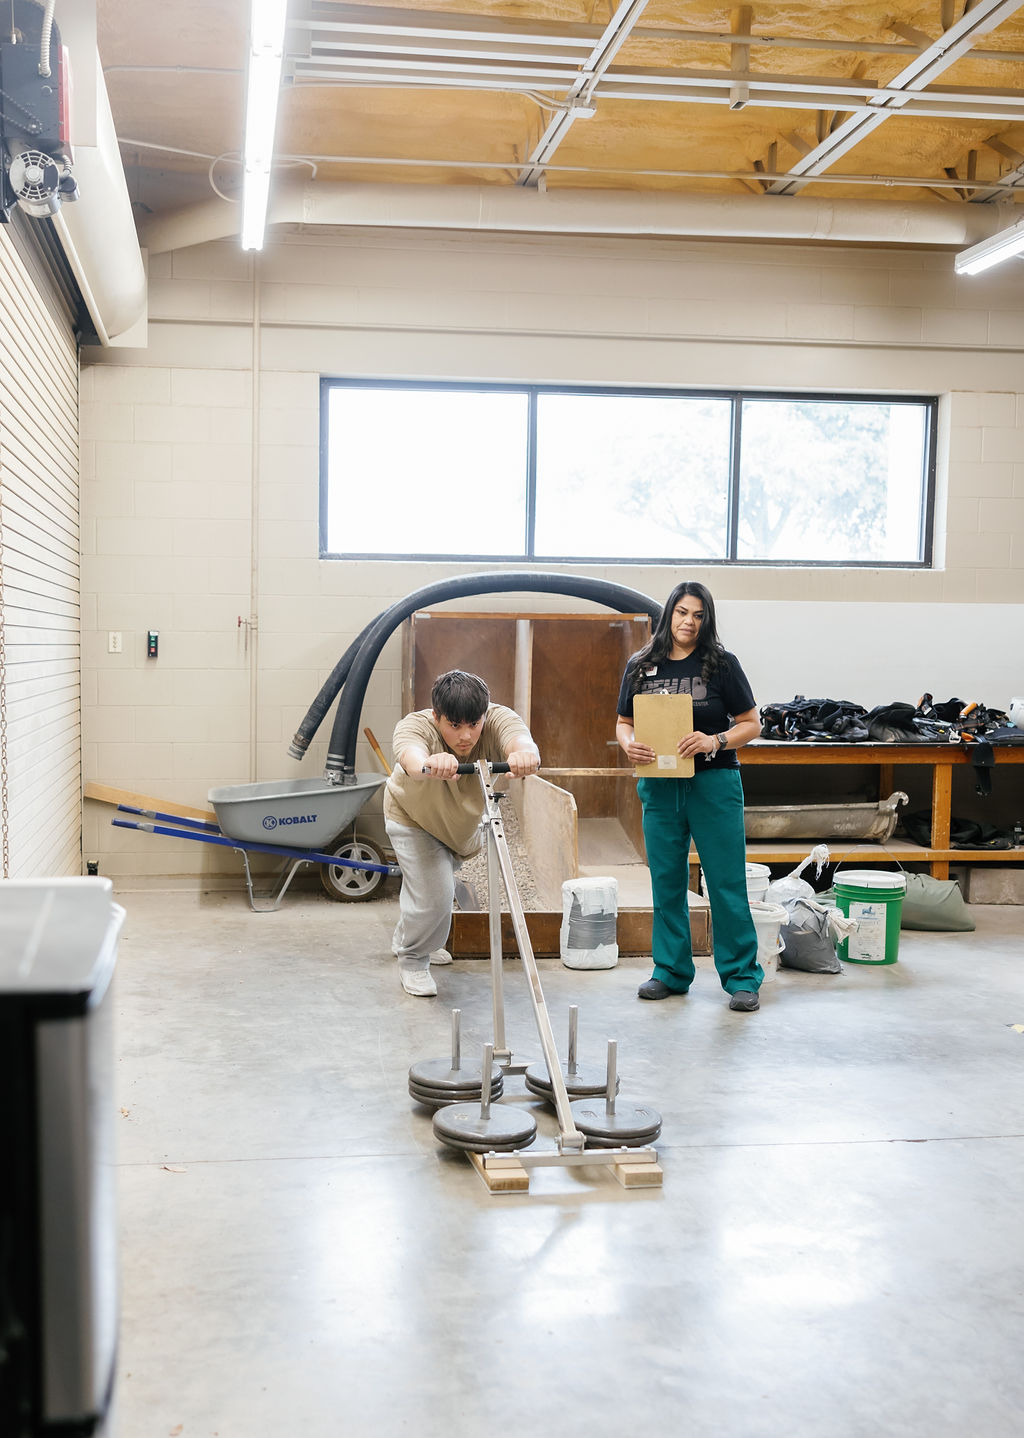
694 687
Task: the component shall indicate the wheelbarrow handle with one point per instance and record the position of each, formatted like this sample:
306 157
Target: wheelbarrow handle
308 856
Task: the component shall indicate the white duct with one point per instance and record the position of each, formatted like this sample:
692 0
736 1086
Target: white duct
97 233
584 212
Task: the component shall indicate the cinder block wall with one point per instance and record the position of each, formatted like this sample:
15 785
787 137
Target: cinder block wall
200 475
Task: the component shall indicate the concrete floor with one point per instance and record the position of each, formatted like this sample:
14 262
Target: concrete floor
835 1250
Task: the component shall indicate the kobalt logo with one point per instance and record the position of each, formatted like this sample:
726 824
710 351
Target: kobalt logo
271 823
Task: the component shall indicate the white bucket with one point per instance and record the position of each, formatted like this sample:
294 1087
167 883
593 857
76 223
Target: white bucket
587 939
758 878
768 920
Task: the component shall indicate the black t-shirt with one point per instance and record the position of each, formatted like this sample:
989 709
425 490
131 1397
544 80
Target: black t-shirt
726 694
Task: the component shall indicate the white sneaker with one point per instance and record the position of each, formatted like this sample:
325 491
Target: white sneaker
439 956
418 982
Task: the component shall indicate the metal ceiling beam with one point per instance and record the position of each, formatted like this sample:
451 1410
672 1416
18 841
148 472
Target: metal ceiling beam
761 176
578 100
692 86
333 20
957 42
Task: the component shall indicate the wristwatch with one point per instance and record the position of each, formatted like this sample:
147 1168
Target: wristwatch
723 741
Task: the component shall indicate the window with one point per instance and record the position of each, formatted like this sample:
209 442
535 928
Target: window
511 472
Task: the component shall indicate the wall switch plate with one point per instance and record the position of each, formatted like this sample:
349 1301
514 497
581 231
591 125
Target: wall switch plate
114 641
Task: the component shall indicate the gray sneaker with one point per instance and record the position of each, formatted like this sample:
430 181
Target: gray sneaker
655 989
745 1001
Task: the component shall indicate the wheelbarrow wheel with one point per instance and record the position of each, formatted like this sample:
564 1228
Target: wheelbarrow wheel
353 885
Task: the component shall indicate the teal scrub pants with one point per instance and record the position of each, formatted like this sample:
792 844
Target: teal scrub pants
708 808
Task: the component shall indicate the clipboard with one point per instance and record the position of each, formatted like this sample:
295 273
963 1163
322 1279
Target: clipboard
661 720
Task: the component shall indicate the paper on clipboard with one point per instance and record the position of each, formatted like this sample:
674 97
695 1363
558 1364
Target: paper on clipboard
661 720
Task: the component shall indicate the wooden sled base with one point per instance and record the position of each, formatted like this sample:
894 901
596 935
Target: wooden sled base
509 1172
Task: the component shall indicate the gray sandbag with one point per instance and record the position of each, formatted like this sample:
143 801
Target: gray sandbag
807 936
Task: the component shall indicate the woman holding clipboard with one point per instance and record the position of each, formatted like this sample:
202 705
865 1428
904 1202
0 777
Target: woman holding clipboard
693 789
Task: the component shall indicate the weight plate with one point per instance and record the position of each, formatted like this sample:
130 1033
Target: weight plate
435 1100
641 1141
482 1145
630 1119
462 1123
439 1074
586 1082
496 1086
497 1077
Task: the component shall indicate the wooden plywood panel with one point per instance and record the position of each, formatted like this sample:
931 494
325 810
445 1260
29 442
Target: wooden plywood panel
630 816
548 824
480 644
577 667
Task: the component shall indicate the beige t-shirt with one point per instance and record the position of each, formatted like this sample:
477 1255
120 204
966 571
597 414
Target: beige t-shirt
450 809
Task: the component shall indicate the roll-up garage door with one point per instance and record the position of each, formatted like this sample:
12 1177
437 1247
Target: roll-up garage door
40 669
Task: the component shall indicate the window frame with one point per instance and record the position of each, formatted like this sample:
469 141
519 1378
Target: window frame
736 397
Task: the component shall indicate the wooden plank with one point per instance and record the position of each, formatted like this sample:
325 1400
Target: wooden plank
639 1175
595 773
607 620
784 752
902 849
942 803
107 794
501 1180
469 936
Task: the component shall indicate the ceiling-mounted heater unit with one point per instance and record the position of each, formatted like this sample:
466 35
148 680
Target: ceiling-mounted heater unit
34 112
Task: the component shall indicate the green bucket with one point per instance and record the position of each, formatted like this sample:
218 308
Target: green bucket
874 898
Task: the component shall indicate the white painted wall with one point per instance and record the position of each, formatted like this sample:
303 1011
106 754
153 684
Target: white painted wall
200 508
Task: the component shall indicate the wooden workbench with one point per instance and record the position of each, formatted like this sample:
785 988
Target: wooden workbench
942 759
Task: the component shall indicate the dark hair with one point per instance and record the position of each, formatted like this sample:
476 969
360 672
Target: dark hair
709 649
459 697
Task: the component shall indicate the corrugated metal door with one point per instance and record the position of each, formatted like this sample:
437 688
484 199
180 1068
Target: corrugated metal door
40 668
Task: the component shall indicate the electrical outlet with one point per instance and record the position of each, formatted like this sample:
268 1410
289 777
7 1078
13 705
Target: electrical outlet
114 641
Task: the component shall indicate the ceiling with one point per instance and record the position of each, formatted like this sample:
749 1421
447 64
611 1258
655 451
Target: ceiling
900 103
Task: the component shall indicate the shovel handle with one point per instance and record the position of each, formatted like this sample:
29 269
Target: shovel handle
371 739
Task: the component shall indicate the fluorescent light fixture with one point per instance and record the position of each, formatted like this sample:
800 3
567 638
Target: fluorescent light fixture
266 48
991 252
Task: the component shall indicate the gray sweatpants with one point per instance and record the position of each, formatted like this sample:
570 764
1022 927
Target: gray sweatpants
427 894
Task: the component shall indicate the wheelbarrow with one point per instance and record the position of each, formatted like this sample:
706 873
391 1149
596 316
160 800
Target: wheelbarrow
298 819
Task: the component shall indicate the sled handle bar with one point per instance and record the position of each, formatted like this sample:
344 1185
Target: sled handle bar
498 768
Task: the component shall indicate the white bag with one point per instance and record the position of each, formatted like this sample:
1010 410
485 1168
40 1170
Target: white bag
590 909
